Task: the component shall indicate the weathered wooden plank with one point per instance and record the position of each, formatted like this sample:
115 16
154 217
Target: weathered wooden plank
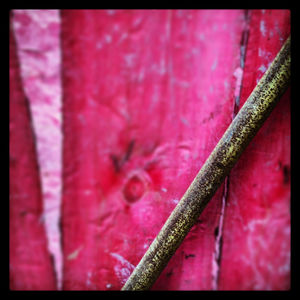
38 46
147 95
256 236
29 263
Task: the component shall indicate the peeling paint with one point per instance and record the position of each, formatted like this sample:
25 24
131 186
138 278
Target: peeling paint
215 64
262 68
262 27
74 254
124 268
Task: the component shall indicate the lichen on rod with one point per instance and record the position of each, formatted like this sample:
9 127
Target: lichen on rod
226 153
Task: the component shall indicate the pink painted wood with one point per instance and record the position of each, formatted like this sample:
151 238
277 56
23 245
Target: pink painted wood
256 237
38 45
146 97
29 262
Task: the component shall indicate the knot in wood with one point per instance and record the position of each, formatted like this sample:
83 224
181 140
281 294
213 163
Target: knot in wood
134 189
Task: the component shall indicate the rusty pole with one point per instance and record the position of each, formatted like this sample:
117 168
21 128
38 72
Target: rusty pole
226 153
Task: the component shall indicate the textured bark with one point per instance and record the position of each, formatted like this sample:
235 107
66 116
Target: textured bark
29 263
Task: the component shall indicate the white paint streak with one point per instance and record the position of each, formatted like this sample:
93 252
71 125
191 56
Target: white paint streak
88 281
123 36
108 38
201 36
184 121
262 68
175 201
75 253
110 12
116 27
129 59
87 192
262 27
238 74
123 269
214 65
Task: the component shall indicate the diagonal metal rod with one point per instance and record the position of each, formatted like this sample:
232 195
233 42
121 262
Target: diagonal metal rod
226 153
